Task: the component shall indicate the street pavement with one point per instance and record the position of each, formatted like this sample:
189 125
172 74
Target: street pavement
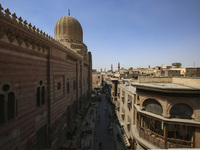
98 120
102 134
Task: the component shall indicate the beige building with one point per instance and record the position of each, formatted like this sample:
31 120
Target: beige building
188 71
97 79
159 112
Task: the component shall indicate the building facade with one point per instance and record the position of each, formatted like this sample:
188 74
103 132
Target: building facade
44 82
159 112
97 80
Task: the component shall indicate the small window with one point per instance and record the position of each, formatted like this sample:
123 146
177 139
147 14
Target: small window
58 86
6 88
68 87
74 84
38 96
11 106
2 109
43 95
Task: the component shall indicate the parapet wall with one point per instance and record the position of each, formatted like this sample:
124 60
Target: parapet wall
191 82
146 79
186 81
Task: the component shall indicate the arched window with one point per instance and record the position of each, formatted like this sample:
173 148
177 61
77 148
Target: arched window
40 95
2 109
8 104
43 95
182 111
11 106
74 84
153 106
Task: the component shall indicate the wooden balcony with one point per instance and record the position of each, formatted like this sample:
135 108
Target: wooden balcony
159 141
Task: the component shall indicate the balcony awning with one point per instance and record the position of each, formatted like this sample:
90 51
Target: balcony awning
126 141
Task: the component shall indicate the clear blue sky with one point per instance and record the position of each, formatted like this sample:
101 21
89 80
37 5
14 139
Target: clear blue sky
136 33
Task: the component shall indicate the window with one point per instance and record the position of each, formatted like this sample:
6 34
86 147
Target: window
74 84
129 102
8 104
58 86
43 95
153 106
40 96
181 111
128 124
2 109
123 114
11 106
123 96
68 87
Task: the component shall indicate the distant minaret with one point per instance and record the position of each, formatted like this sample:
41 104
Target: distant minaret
101 69
118 67
104 69
111 68
68 12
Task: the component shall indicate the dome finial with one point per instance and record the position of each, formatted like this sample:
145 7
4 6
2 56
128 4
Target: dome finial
68 12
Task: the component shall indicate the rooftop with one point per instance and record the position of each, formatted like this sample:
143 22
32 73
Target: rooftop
165 86
129 88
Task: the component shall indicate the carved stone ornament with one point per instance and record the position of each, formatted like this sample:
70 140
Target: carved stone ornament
19 38
27 41
10 34
2 30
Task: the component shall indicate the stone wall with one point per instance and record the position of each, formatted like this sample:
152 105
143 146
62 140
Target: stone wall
35 67
192 82
142 79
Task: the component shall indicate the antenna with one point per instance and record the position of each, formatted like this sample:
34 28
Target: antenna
68 12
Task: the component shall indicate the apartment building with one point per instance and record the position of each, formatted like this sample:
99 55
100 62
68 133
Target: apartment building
159 112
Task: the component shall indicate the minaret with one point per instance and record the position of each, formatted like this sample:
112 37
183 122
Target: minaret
111 68
118 67
68 12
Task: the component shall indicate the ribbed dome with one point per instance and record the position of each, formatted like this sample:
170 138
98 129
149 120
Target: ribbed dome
68 28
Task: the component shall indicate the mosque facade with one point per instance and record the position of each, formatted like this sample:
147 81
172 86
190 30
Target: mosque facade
45 82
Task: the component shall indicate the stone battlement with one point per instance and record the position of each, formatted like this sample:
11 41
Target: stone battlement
19 32
6 14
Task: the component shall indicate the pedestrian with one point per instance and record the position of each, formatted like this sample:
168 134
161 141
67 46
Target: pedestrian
100 145
105 109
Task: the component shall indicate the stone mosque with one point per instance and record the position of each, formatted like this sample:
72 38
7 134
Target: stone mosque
45 82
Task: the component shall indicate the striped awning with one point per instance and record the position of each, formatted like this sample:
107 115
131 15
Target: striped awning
126 141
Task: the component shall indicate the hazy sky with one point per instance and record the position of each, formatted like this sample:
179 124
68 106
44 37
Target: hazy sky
136 33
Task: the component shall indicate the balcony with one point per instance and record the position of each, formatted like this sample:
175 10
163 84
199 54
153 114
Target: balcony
158 139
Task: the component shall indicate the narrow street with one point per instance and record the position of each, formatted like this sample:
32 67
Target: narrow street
102 123
102 133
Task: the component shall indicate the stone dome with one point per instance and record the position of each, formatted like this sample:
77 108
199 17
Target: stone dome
68 29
